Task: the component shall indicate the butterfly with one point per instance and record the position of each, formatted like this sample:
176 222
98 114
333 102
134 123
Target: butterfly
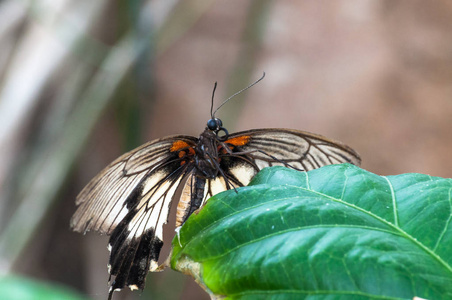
130 199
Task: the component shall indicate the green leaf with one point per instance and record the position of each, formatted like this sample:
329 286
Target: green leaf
338 232
16 287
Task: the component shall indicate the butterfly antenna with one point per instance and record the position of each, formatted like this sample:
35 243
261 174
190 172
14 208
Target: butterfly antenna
213 95
242 90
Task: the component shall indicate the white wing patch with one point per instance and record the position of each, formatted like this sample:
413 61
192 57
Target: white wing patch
153 208
242 172
183 206
214 186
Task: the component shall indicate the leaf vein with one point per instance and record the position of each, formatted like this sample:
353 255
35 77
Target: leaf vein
394 202
447 223
293 229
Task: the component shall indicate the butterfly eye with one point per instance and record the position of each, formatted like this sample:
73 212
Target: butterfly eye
214 124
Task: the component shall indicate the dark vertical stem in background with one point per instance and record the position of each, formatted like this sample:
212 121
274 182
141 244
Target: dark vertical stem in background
241 74
128 105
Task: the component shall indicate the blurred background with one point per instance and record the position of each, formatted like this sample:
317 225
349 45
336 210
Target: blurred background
82 82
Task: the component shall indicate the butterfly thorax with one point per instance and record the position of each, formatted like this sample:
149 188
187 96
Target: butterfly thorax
207 161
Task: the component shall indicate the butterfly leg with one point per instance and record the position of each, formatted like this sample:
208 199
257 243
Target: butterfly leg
226 179
229 151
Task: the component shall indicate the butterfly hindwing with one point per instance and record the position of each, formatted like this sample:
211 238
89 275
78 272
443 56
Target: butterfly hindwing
136 242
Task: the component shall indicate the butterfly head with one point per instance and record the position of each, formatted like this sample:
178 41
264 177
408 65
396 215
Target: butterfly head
216 126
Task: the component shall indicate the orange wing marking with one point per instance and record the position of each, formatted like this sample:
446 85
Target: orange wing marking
178 145
239 141
183 153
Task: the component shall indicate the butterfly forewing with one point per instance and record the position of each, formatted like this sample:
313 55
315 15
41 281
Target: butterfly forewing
297 149
103 202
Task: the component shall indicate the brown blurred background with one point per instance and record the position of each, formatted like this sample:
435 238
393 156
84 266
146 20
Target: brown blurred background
81 82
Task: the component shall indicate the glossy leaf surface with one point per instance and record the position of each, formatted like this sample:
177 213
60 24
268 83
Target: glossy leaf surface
338 232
